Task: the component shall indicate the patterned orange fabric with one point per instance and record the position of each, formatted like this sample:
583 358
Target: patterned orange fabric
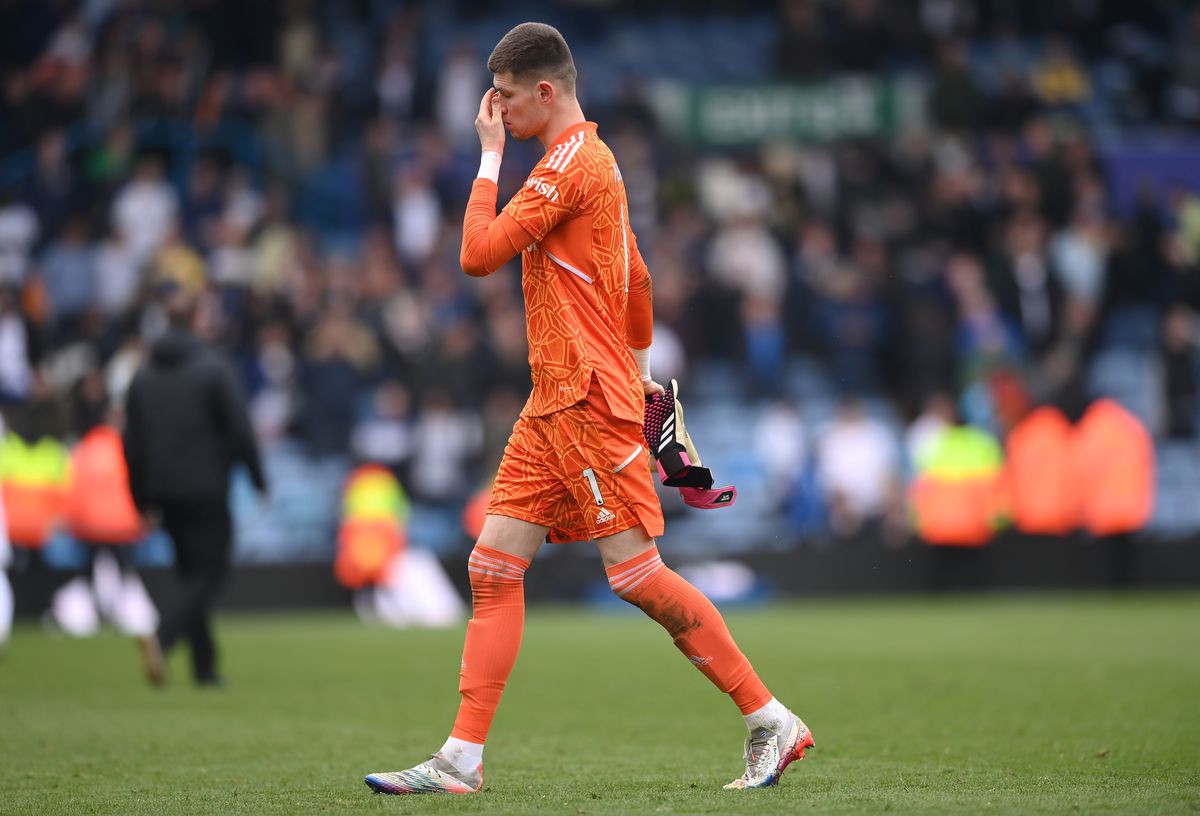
578 275
693 623
579 471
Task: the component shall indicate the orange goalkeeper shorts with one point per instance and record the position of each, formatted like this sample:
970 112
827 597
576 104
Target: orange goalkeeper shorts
580 471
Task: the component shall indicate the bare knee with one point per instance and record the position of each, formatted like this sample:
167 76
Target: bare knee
512 536
620 547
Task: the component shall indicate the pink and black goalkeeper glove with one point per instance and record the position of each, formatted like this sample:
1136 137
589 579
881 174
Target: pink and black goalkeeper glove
674 454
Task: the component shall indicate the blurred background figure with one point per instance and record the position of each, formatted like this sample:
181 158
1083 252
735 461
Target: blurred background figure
859 470
957 502
186 426
34 472
393 583
1043 488
1114 458
780 442
100 514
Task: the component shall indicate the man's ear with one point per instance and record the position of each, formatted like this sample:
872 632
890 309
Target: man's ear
546 91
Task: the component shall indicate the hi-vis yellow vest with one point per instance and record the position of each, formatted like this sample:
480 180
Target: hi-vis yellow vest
34 481
957 499
374 511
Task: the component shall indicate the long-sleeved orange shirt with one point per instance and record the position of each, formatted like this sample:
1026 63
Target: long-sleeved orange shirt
588 294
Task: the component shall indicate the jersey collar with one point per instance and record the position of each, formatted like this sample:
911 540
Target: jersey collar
571 131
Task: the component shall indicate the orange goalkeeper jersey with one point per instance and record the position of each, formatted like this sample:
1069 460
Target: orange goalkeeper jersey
587 290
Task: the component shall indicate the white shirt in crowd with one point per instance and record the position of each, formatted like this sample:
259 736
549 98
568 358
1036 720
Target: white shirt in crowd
18 232
117 276
16 377
144 214
857 459
444 441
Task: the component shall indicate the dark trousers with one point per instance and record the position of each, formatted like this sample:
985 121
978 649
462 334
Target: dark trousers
203 536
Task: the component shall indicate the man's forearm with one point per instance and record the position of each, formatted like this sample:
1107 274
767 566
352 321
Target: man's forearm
489 241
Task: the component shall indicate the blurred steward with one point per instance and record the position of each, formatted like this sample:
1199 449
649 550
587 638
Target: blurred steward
1044 493
33 473
1114 462
393 583
956 497
957 502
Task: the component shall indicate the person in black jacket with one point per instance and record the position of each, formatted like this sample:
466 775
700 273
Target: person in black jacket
186 426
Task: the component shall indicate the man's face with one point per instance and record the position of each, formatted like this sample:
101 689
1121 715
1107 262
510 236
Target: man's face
522 105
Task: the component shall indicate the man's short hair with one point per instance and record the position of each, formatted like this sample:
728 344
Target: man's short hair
534 51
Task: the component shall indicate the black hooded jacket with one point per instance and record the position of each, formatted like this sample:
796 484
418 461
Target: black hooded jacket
186 425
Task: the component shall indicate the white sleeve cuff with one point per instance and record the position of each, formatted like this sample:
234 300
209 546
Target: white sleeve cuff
489 166
642 358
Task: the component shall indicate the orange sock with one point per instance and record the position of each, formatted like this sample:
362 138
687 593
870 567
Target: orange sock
695 624
493 638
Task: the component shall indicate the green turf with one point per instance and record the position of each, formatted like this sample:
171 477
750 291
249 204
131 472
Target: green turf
1010 705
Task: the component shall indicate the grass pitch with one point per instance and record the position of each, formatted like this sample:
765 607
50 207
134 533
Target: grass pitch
1004 705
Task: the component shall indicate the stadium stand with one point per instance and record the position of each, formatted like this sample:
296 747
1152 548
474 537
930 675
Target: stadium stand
1018 194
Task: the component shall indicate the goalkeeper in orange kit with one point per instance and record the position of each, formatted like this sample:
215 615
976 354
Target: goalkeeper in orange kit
576 466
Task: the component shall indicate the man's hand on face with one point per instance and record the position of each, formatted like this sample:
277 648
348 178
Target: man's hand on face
489 124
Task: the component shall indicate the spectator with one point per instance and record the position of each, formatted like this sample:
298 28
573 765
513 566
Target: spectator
1185 89
1180 340
857 468
459 83
273 383
446 440
1058 78
862 42
145 210
19 233
385 435
780 444
339 357
801 49
16 371
938 414
69 272
202 201
1026 290
955 101
1078 255
118 277
418 216
52 190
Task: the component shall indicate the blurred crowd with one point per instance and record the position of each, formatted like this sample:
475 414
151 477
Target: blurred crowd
302 167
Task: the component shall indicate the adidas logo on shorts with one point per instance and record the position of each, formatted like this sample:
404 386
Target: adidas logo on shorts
605 516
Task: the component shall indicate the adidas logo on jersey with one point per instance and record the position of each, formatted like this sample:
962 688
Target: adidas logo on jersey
605 516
